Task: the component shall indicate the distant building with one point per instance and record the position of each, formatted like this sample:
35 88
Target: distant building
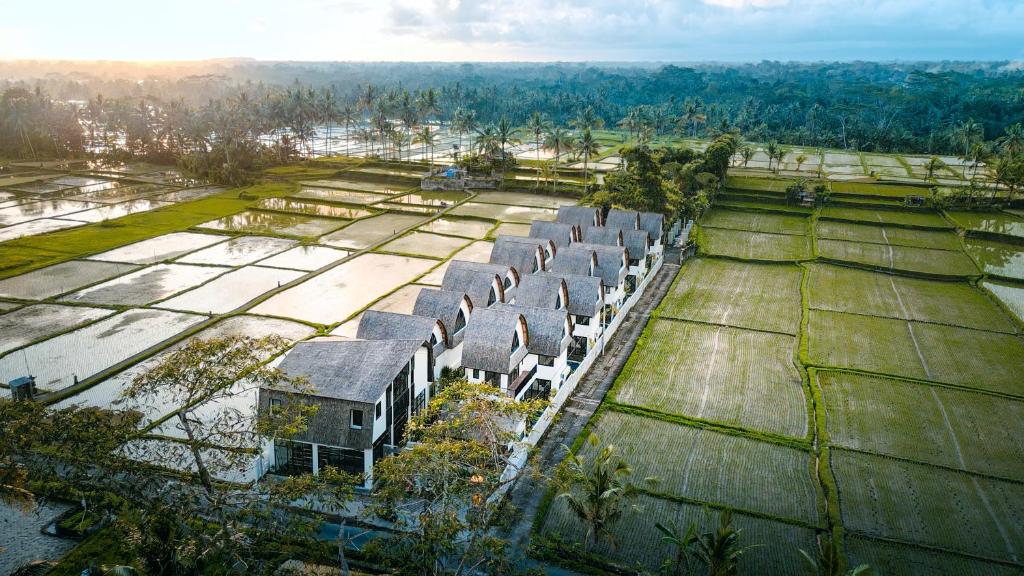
561 234
581 216
525 257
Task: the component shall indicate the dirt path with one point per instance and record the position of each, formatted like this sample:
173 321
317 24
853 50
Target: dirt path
525 497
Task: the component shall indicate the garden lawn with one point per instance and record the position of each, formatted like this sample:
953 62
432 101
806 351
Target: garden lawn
956 511
736 377
713 467
843 289
970 358
944 263
744 294
754 245
970 431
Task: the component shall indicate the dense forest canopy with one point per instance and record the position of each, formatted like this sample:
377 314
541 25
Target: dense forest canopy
931 108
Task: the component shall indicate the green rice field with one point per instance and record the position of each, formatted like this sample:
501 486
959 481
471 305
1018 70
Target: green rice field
899 258
890 217
754 221
892 235
754 245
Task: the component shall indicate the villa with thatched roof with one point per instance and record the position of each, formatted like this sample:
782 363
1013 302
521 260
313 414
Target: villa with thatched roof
381 325
622 219
453 309
495 349
546 366
581 216
524 257
575 260
486 284
612 267
586 302
365 391
561 234
548 246
638 244
654 224
542 291
602 235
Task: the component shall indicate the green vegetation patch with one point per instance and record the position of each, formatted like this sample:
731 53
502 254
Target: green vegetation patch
892 558
744 294
843 289
708 466
891 217
997 258
638 543
750 203
755 221
892 235
876 189
939 263
755 245
971 358
930 424
771 184
956 511
736 377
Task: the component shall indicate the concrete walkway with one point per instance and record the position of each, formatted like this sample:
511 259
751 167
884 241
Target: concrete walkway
527 494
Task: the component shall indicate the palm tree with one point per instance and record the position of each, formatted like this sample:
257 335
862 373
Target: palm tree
682 542
506 134
934 163
537 125
631 121
328 111
720 550
772 149
428 103
587 119
428 138
800 159
1008 172
597 492
978 155
587 146
348 116
827 561
746 152
1012 140
558 141
400 140
968 132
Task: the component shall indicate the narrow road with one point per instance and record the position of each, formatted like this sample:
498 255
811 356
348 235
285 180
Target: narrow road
525 497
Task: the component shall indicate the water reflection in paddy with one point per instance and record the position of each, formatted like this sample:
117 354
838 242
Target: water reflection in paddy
258 222
432 198
370 231
341 291
37 227
313 208
41 209
307 258
465 227
525 214
38 321
60 278
335 195
147 285
425 244
159 248
239 251
231 290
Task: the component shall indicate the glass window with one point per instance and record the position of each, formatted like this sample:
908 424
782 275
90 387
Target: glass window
377 411
460 321
357 419
275 402
515 341
350 461
493 297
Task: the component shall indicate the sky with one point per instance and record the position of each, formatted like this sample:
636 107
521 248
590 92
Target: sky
513 30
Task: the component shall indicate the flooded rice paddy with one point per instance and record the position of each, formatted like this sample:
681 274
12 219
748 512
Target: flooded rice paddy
1011 296
991 222
361 185
475 252
504 213
997 258
336 195
41 209
464 227
239 251
425 244
112 211
512 229
61 278
37 227
306 258
523 199
39 321
312 208
342 291
147 285
160 248
257 222
87 351
369 231
432 198
231 290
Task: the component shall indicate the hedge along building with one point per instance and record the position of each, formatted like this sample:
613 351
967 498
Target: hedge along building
364 390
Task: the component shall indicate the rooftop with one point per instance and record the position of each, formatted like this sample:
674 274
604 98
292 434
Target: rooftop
356 370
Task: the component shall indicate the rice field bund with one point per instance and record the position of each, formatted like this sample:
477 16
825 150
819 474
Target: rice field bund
854 370
105 272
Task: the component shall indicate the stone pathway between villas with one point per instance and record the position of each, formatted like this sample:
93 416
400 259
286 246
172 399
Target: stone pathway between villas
526 495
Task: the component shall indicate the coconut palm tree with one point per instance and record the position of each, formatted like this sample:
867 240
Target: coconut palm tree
587 119
978 155
427 137
1012 140
720 549
934 163
399 139
506 135
537 125
746 152
968 132
680 540
586 146
772 149
800 159
467 124
597 491
348 116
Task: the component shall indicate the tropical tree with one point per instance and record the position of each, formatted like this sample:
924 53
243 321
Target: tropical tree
349 117
427 137
827 561
682 542
719 550
538 125
586 146
747 152
1012 140
587 119
967 133
505 132
597 492
772 149
800 159
934 163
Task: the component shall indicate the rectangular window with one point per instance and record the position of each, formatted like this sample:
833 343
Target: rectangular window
350 461
377 411
275 402
546 361
356 419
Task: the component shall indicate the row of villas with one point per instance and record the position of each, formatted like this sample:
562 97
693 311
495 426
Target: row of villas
523 322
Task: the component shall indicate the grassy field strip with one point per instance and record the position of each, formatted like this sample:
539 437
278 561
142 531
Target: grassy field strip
904 218
905 501
638 543
890 235
958 356
743 294
952 303
886 257
951 428
737 377
888 557
758 246
756 221
707 466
